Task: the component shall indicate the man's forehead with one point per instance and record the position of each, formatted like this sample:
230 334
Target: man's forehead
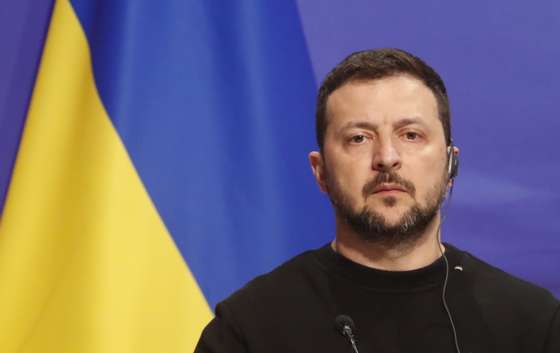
394 97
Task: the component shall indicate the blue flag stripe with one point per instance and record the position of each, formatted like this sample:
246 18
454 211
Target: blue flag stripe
209 98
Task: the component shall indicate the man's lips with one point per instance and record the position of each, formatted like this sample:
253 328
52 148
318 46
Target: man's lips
388 188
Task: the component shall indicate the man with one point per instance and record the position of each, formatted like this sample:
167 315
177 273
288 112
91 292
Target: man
386 283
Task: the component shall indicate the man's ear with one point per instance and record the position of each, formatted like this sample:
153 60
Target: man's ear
318 167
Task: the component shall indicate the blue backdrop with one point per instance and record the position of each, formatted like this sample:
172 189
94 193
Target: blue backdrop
232 88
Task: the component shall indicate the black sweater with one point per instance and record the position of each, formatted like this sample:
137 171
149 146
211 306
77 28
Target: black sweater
293 308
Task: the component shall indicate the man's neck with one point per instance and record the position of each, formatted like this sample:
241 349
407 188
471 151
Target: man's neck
403 257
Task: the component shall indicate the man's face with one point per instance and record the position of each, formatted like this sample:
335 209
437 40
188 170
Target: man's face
384 162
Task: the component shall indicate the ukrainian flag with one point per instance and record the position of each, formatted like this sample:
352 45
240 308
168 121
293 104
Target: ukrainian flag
161 166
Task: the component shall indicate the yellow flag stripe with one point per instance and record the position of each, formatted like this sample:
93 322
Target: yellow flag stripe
86 264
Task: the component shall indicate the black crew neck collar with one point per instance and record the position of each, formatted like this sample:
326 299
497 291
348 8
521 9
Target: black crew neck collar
423 278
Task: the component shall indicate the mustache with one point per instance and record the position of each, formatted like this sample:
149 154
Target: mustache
387 178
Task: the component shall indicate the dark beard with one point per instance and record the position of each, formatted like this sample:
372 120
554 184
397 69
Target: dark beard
372 226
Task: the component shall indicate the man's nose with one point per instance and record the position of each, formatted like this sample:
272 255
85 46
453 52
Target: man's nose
386 157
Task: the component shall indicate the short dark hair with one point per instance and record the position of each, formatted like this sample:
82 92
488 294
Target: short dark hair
377 64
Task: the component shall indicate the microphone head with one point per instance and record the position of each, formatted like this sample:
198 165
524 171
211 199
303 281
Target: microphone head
342 321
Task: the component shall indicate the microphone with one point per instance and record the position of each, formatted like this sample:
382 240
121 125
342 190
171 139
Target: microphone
345 325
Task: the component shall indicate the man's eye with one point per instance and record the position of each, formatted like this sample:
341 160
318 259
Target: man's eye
411 135
358 139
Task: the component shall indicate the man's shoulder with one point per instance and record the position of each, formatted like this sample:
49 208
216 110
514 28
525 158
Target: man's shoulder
259 313
286 282
490 282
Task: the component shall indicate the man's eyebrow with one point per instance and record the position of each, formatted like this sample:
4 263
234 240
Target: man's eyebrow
408 121
372 126
359 124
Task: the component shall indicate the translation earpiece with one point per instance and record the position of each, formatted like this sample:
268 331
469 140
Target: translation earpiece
452 162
